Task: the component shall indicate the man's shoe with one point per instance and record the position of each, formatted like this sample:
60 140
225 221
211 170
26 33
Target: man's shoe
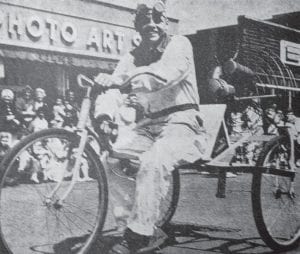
120 248
131 243
138 244
156 241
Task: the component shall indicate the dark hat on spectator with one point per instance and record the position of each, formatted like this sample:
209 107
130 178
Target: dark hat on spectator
28 88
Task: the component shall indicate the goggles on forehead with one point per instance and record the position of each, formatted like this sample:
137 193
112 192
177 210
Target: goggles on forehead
144 14
159 6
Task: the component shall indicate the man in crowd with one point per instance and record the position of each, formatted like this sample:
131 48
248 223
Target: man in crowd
9 117
71 110
39 102
171 132
24 105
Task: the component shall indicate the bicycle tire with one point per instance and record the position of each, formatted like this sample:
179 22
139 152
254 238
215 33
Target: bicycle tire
171 203
76 228
271 197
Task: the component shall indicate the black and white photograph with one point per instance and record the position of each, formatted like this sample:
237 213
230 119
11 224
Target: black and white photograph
149 126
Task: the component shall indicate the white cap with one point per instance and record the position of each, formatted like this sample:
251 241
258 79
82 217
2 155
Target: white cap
40 90
7 93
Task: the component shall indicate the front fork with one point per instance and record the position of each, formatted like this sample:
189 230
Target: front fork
76 153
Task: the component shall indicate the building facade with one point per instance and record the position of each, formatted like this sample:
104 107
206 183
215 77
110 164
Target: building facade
46 43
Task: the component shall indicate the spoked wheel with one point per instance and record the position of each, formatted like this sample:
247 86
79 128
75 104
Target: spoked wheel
33 218
169 204
275 199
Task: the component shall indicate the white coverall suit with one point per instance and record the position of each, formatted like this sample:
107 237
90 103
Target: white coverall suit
170 135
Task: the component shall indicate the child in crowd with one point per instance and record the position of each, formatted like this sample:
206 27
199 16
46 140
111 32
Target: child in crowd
50 162
31 162
5 143
39 122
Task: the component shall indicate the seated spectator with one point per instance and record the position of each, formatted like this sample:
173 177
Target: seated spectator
50 163
30 163
39 122
58 113
9 118
71 111
24 106
273 117
70 99
252 117
70 118
5 143
39 102
116 113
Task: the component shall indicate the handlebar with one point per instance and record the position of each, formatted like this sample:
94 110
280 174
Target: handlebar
85 82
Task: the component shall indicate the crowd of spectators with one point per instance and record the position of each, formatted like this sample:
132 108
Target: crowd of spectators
29 112
32 111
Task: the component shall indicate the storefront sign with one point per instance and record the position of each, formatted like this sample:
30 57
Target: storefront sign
60 33
290 52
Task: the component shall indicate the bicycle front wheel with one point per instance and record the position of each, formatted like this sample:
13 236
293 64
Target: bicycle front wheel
35 175
276 199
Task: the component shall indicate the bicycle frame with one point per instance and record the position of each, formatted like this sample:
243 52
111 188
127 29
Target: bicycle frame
83 131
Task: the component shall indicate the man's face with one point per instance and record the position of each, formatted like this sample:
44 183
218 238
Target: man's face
5 139
41 115
71 96
7 98
39 96
151 24
59 101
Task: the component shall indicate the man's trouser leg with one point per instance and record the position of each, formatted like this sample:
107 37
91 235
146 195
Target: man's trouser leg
122 190
175 146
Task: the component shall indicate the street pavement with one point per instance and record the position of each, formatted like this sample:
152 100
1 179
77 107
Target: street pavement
202 223
206 224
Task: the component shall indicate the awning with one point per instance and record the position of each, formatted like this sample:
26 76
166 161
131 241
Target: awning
57 58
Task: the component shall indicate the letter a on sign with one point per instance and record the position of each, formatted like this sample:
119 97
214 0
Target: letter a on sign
94 38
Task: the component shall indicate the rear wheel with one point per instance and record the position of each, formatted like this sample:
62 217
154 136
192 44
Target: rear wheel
276 199
31 219
169 204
